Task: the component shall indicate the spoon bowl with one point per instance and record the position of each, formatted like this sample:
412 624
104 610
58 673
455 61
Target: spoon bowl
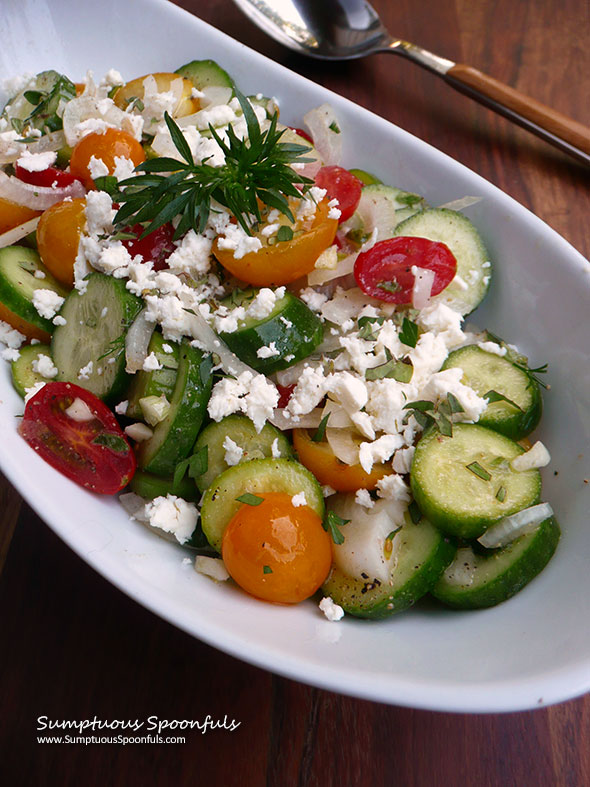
350 29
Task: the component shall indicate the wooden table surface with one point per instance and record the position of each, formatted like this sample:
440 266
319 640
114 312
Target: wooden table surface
73 647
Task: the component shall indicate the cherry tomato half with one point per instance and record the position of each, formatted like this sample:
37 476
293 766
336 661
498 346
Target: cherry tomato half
46 177
12 214
285 393
301 133
112 144
385 270
155 247
328 469
58 236
343 186
94 453
276 551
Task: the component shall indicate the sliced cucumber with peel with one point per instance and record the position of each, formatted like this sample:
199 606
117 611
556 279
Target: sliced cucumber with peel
417 554
256 477
159 382
464 484
94 333
382 207
255 445
475 580
205 73
174 437
149 486
23 374
18 282
485 372
474 269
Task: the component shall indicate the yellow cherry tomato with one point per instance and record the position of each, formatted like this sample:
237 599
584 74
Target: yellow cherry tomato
13 214
58 236
284 262
111 144
328 469
276 551
135 89
28 330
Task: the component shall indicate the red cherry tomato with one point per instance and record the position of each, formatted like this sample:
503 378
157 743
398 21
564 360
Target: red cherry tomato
385 270
155 247
285 392
300 132
341 185
94 453
46 177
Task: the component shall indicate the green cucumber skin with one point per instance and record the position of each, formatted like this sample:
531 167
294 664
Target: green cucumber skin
23 376
257 477
156 383
500 416
365 599
150 486
68 338
460 235
174 437
473 521
531 562
17 266
366 178
299 340
205 73
242 431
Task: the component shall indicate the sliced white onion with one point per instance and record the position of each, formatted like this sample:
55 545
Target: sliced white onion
511 527
36 197
18 233
423 282
463 568
459 204
12 152
282 419
137 342
86 107
327 141
210 342
343 445
323 275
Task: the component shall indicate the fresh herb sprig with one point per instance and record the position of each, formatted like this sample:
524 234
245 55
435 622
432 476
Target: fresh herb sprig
257 169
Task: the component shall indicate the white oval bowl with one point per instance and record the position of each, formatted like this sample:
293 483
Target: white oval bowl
530 651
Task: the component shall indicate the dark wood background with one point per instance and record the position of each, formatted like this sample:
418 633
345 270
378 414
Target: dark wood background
71 646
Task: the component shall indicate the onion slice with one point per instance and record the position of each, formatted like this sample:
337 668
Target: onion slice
209 341
423 283
325 131
36 197
511 527
137 342
18 233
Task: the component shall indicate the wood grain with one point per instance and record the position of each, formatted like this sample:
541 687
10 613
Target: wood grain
74 647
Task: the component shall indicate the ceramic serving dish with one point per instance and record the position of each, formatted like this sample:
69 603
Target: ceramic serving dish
532 650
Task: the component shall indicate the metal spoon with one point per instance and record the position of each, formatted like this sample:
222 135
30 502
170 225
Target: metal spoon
348 29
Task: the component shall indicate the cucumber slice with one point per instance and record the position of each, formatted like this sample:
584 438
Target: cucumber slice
93 338
474 269
382 207
420 553
447 484
474 580
367 178
484 372
41 104
23 374
205 73
159 382
258 476
149 486
292 330
18 282
175 436
255 445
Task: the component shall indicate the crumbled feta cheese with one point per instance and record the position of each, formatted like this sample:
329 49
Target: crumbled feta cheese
121 408
492 347
309 391
85 372
36 162
99 213
173 515
44 366
327 491
97 168
192 255
402 459
39 274
212 567
10 336
233 452
10 354
332 611
32 390
269 351
79 411
299 500
138 432
151 363
275 451
253 395
349 390
59 320
47 302
363 498
537 456
393 487
264 303
315 300
379 450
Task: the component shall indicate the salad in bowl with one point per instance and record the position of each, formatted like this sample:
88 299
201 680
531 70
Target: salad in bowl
266 353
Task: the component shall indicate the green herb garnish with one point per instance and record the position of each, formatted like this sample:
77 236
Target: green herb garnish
197 464
401 371
332 524
501 494
284 233
409 333
389 286
414 512
532 374
257 169
495 396
320 432
250 499
334 127
479 471
113 441
266 570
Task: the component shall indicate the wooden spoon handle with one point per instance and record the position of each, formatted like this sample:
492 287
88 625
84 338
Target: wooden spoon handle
538 118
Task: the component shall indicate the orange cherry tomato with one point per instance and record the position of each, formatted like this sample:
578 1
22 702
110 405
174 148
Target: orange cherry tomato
320 459
28 330
108 146
276 551
12 214
58 235
286 261
135 89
